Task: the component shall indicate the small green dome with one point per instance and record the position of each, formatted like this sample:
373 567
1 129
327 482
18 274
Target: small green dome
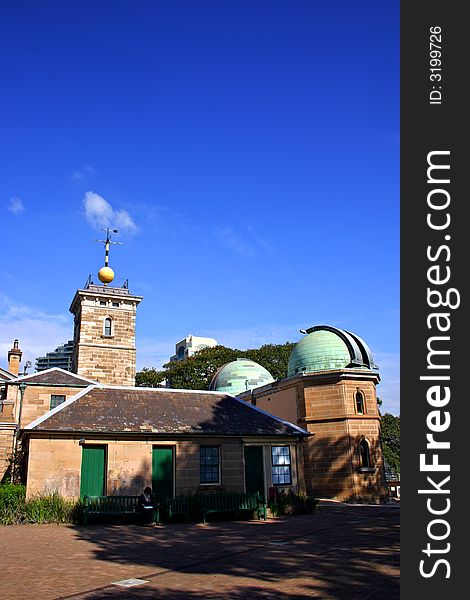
325 348
239 376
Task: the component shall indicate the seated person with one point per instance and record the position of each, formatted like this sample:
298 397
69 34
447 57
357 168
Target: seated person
147 507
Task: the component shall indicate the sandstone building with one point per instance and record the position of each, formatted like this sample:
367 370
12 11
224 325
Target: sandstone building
117 440
331 392
317 431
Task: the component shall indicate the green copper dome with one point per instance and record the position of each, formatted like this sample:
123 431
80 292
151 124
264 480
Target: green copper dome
325 348
239 376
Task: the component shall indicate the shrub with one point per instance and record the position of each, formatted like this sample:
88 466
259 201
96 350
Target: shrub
290 503
12 502
43 508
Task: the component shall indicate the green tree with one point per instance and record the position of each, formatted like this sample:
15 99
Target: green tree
390 425
149 377
196 372
273 357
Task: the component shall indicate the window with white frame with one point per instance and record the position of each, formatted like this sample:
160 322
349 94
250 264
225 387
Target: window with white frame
209 464
281 465
108 327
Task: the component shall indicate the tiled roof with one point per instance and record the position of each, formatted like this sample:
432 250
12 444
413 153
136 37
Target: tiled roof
160 411
56 376
6 375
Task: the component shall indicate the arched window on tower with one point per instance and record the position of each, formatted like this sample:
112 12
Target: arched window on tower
360 405
108 327
364 452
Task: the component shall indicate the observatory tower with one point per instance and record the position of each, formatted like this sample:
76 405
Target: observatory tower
104 328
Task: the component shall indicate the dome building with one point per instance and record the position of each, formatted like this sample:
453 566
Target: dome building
330 391
325 348
239 376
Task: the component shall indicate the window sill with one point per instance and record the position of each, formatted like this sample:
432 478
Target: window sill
108 337
214 486
366 469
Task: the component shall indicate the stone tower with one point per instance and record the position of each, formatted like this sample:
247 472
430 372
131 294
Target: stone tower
104 334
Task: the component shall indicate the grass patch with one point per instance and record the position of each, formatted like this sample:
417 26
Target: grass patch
43 508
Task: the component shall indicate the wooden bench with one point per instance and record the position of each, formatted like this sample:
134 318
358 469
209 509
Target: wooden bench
213 503
178 506
112 505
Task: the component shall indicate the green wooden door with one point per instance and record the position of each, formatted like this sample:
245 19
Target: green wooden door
162 472
93 471
254 475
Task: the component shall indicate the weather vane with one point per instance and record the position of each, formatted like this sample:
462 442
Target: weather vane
106 274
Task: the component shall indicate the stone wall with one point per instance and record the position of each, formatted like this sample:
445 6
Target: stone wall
7 436
36 400
111 366
98 355
325 404
55 465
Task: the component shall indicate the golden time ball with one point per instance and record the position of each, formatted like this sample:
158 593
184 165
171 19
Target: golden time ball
106 275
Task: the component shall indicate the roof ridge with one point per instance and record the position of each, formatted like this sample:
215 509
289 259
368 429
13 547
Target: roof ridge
55 369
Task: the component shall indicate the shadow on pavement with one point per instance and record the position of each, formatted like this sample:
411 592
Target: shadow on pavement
341 552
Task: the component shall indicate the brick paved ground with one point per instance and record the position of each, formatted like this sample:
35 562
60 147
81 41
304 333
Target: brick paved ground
342 552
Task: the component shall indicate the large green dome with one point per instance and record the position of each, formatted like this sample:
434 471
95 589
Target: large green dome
239 376
325 348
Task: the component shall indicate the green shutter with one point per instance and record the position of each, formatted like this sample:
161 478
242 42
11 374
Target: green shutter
162 472
93 471
254 475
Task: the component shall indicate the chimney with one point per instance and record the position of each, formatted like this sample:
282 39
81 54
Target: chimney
14 359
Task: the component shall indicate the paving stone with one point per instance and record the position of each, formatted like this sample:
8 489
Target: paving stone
341 552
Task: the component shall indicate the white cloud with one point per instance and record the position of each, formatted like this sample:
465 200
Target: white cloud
235 243
264 245
15 205
79 175
246 244
99 213
38 332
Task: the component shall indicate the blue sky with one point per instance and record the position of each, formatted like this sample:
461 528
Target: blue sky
247 151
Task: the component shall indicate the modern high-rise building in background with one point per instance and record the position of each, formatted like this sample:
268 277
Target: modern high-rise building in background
61 357
190 345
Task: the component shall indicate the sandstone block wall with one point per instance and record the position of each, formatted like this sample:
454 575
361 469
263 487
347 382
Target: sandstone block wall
112 366
109 359
36 400
325 405
7 433
55 465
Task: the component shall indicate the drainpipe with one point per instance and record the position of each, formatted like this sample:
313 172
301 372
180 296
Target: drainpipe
22 388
